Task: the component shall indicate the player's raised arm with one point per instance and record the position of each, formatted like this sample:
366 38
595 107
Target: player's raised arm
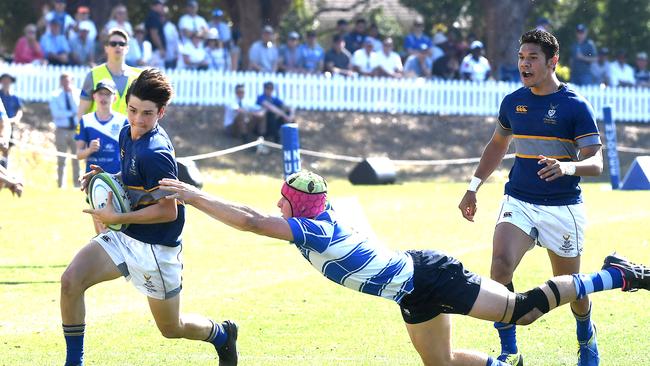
233 214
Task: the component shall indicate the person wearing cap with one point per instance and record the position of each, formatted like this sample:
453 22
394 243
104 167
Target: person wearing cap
620 72
277 112
600 68
191 22
83 17
641 73
27 49
222 26
583 54
192 54
55 45
116 48
365 59
337 59
413 40
140 50
97 134
64 103
354 40
13 114
427 285
557 142
475 66
82 46
290 54
312 55
264 56
420 64
216 54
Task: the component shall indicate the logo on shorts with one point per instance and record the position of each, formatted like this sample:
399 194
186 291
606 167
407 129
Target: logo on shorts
406 312
106 238
567 246
507 214
148 284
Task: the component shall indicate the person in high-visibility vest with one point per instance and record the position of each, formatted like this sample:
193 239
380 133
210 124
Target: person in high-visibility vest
116 48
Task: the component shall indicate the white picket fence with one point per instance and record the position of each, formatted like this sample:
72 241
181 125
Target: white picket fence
413 96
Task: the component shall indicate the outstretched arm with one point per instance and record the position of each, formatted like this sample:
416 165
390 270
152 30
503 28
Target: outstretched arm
233 214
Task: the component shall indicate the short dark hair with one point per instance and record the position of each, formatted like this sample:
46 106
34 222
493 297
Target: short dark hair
151 85
268 85
117 32
239 86
544 39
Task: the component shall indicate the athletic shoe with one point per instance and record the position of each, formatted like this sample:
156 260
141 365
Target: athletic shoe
635 276
514 359
228 351
588 352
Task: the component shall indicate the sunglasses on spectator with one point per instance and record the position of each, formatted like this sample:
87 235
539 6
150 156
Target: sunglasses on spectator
117 43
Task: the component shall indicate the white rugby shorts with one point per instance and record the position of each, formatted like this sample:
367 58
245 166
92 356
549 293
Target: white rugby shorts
155 270
557 228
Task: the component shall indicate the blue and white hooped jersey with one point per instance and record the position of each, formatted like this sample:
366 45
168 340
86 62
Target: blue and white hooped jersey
556 125
108 133
348 258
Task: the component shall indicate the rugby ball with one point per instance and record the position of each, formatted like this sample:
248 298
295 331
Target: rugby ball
98 189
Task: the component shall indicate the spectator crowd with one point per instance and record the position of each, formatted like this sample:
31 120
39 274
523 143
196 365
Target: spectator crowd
195 42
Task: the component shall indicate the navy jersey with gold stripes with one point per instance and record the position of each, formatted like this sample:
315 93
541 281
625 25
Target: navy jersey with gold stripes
144 162
556 125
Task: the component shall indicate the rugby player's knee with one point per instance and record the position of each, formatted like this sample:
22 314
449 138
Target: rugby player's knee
502 269
70 282
170 330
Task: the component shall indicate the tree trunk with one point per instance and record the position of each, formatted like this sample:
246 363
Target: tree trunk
249 16
503 22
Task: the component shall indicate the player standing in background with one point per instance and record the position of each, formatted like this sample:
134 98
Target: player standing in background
556 141
116 48
148 251
428 285
98 133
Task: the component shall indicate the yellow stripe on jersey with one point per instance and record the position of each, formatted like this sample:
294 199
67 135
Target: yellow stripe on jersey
536 157
141 188
587 134
541 138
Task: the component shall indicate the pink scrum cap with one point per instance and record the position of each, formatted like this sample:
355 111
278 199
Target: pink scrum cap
306 193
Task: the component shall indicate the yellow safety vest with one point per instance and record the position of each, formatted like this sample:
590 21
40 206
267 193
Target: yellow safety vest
100 73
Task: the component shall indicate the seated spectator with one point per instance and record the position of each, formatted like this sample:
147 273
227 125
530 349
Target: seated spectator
55 46
373 33
475 66
172 41
641 73
337 59
193 54
342 28
263 56
82 47
221 25
83 16
140 50
600 68
277 113
28 50
413 40
620 73
290 54
447 67
119 19
354 40
59 15
191 22
243 120
420 64
217 55
364 59
312 55
389 63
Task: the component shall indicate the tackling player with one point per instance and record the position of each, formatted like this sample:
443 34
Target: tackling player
427 284
556 141
148 252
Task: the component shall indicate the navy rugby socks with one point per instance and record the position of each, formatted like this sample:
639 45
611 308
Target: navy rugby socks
74 343
218 335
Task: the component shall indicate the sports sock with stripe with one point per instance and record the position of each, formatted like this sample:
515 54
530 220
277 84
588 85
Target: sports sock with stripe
218 335
74 343
507 332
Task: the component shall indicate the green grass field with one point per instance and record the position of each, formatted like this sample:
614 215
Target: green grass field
288 313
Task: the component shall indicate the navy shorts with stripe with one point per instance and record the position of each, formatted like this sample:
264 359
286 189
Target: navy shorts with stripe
441 285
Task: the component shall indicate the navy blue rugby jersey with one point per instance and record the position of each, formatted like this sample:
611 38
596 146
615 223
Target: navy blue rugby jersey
144 162
556 125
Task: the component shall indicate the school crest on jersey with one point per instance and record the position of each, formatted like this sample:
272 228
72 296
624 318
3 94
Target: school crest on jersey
551 115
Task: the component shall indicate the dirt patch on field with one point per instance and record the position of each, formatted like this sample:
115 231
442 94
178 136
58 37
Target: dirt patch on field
197 130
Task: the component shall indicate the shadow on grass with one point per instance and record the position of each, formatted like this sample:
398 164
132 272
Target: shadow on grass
34 266
25 282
